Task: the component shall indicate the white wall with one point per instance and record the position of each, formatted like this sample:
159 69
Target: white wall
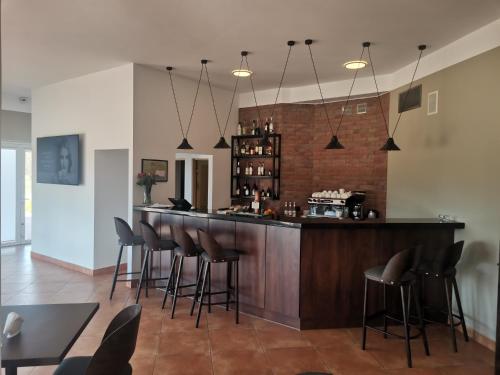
449 164
157 133
15 127
99 107
111 198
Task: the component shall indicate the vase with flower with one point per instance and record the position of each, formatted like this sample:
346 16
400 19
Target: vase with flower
146 180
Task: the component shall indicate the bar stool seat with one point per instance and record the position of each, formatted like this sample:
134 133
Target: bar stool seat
224 256
167 244
376 274
135 240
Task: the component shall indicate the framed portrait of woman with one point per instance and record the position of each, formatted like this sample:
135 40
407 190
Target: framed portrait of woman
58 160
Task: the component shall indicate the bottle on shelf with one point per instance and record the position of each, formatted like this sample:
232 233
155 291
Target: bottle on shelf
285 211
246 189
247 149
269 150
254 189
238 169
271 126
250 170
269 193
257 129
238 191
239 129
294 212
254 126
262 193
266 126
242 149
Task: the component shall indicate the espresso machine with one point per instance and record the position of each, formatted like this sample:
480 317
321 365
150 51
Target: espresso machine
337 205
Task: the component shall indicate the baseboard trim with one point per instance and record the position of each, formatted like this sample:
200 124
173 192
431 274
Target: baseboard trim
480 338
76 267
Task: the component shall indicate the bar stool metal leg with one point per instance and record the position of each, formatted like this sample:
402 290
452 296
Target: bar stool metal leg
450 313
169 282
460 311
197 287
141 280
421 324
205 273
117 268
406 326
237 297
228 284
179 273
209 287
385 311
363 338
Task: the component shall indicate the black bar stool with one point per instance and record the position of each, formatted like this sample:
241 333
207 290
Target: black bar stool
153 244
443 267
186 248
125 238
214 253
400 272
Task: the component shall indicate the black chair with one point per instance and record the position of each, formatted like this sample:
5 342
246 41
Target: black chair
125 238
114 353
214 253
153 244
186 248
443 267
400 272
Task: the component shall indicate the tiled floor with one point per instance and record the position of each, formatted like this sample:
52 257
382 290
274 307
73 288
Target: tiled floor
219 347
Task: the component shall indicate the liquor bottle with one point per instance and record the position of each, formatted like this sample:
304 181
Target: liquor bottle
285 211
271 126
262 193
242 149
238 191
247 149
266 126
294 212
238 169
239 128
257 129
254 126
269 193
254 189
246 189
250 170
260 150
252 150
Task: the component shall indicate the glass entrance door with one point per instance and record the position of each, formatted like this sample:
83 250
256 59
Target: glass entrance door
15 195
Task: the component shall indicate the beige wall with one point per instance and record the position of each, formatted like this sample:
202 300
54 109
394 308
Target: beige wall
449 164
16 127
157 133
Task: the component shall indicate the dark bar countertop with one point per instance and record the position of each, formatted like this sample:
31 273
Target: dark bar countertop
308 222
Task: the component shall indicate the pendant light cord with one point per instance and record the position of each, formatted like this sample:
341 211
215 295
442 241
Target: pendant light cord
184 135
378 92
291 43
213 100
308 43
253 91
421 48
350 93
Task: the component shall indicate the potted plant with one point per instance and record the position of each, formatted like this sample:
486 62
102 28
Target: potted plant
147 180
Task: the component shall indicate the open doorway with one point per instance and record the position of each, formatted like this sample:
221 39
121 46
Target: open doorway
200 183
180 177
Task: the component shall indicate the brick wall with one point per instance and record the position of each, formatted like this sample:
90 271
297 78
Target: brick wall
306 166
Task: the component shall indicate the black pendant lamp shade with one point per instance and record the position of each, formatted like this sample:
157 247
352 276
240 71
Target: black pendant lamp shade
222 143
334 144
184 145
390 145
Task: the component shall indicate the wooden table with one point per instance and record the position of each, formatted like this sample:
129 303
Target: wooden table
47 334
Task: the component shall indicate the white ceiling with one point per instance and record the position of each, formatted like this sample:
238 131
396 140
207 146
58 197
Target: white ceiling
52 40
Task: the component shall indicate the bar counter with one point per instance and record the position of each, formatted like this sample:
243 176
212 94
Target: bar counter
304 272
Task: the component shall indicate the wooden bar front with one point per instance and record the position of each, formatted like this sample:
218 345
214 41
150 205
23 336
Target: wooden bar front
304 273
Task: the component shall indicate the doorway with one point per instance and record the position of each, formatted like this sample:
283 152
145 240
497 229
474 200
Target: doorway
16 180
200 184
180 177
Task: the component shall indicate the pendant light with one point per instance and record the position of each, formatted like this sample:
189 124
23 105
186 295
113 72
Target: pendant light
265 141
221 144
184 144
390 144
334 143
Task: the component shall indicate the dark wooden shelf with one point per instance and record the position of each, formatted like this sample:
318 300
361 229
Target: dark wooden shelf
250 136
245 176
255 156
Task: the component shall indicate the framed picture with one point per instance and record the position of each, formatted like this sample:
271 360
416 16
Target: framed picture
58 160
159 168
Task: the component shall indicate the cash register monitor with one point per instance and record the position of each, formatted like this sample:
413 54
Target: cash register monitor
180 204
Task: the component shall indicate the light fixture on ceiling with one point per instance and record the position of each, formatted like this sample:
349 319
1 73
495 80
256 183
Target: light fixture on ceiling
355 64
242 73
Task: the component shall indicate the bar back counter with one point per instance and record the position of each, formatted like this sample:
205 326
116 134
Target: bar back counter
304 272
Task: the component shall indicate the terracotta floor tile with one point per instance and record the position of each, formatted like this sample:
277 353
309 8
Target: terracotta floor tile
329 338
42 370
185 364
228 339
142 365
194 342
295 360
349 359
147 346
467 370
281 338
241 362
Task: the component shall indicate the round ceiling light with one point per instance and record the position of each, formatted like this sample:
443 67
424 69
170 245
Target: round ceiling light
355 64
241 72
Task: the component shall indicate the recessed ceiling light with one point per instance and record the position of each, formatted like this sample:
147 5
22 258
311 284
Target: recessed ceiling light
242 72
355 64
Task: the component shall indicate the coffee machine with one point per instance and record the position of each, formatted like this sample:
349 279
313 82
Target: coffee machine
337 205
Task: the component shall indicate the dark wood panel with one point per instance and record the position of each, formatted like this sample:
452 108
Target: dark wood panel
191 225
224 233
251 243
282 270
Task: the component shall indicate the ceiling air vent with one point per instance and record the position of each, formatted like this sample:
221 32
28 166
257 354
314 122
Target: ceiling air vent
410 99
432 103
361 108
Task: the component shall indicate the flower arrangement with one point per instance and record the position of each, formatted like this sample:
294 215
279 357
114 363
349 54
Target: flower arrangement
147 180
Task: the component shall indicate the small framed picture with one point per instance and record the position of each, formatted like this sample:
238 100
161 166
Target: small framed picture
159 168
